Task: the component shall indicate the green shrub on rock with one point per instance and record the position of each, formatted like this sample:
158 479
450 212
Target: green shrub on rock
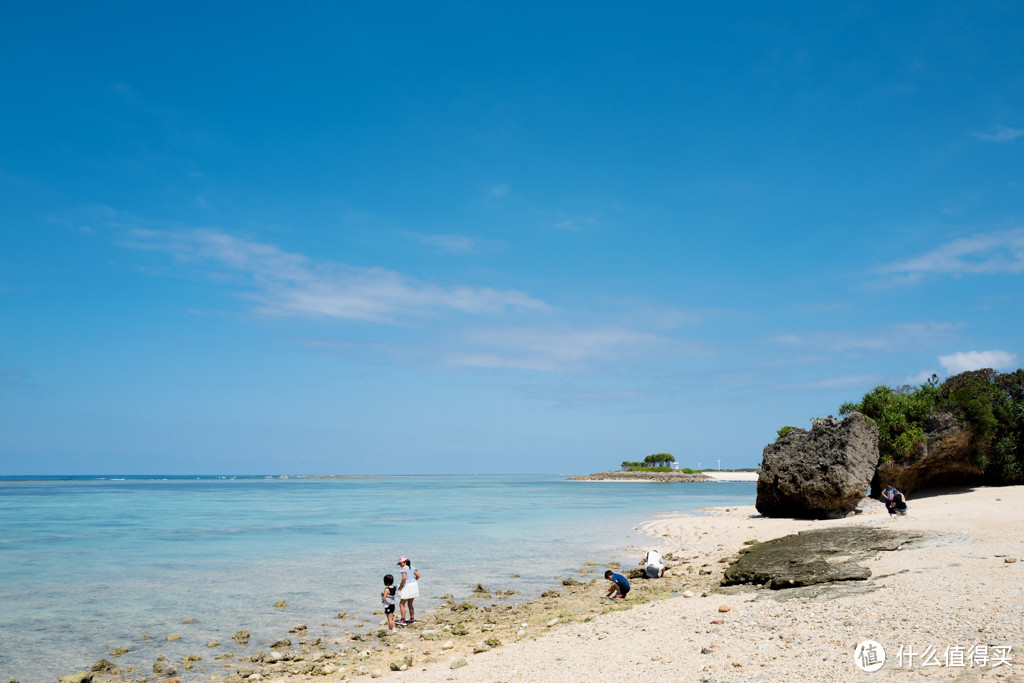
989 403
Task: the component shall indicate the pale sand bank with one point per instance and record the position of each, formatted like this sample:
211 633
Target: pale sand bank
960 594
731 476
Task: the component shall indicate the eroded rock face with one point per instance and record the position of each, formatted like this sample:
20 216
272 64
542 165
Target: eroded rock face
817 556
944 459
819 473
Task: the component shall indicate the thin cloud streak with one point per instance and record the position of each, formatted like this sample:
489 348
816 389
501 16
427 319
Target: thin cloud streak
561 349
976 360
1001 134
891 338
829 383
452 244
289 284
987 253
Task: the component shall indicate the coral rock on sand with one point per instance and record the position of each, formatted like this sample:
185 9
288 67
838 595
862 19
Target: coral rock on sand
822 473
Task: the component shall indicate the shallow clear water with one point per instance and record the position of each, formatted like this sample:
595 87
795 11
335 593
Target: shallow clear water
88 565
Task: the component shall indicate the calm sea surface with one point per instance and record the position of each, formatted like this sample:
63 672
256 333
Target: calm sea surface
91 564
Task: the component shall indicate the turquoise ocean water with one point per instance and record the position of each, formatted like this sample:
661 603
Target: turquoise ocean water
91 564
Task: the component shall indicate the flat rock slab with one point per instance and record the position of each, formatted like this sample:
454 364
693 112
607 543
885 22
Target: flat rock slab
817 556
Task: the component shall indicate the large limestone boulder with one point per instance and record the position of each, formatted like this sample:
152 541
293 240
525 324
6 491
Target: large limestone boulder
945 458
820 473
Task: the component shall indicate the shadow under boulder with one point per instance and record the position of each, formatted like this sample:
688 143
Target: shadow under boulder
817 556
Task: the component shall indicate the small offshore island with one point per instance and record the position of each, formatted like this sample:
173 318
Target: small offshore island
676 476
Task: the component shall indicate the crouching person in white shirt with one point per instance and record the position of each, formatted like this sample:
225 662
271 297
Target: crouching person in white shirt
654 566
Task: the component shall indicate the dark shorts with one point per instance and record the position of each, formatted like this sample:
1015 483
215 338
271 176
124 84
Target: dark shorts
622 589
389 609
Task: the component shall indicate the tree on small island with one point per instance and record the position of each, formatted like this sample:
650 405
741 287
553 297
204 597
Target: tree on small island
658 462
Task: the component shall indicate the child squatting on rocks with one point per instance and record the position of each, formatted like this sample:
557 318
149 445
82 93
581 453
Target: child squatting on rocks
620 585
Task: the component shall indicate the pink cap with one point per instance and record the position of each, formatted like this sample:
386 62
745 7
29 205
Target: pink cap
402 559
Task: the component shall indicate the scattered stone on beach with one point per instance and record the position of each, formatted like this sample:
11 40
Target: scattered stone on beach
281 603
281 644
165 667
687 594
481 589
213 643
448 645
480 646
724 608
459 630
83 677
241 637
301 628
815 556
1009 560
552 622
821 473
401 664
120 651
173 637
189 661
189 620
458 663
550 594
342 615
376 673
106 666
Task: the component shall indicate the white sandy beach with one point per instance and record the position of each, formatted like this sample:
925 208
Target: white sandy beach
959 600
731 476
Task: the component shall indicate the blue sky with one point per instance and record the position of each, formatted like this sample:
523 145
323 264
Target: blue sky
475 237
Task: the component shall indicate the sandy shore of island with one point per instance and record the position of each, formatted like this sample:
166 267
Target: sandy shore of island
956 600
730 476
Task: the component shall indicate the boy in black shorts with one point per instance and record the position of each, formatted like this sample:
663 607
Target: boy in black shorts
387 598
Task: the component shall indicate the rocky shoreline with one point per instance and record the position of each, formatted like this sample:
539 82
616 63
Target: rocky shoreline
644 476
685 626
483 620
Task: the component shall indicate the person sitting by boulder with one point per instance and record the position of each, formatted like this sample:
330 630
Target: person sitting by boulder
895 501
899 504
887 494
654 565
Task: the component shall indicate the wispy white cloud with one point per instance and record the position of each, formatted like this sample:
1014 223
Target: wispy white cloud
987 253
452 244
889 338
288 284
921 377
498 190
976 360
1000 134
575 223
561 348
829 383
